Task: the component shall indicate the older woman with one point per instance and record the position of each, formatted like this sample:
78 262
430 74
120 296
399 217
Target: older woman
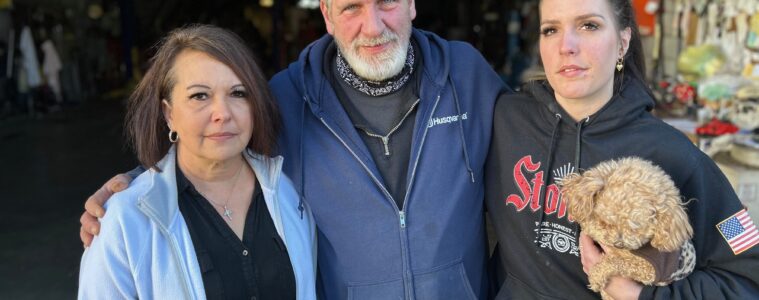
594 106
214 216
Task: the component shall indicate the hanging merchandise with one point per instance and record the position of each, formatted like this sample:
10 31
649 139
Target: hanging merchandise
749 92
700 61
745 111
749 6
29 53
699 5
741 27
645 12
715 83
752 41
717 50
705 24
681 23
751 70
51 66
693 20
745 114
717 92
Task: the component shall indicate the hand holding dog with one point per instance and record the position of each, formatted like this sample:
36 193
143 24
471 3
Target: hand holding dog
619 288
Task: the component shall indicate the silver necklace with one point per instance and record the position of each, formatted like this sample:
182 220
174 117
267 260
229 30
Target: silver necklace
386 138
228 212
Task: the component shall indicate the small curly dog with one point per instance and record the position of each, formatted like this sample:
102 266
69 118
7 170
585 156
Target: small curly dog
633 208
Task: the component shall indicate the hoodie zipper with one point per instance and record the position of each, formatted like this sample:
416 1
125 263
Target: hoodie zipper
401 212
419 154
408 277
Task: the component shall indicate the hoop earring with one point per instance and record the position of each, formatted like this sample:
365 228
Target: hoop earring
173 136
620 64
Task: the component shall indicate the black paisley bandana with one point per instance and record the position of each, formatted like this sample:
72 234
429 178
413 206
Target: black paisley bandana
376 88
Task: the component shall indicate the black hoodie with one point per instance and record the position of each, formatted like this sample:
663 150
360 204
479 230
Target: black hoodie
535 143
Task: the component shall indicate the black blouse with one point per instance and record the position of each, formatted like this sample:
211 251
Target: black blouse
258 267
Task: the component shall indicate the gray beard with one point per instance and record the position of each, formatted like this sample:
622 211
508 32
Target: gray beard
382 66
376 88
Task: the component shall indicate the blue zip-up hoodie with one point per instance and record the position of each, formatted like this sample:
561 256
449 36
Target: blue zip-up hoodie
433 247
145 251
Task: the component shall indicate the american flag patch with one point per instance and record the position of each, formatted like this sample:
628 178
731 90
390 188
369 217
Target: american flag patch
739 231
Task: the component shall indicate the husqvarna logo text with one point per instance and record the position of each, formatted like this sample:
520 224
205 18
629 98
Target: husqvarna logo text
446 120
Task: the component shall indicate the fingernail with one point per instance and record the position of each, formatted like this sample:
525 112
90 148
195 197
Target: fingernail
100 213
94 231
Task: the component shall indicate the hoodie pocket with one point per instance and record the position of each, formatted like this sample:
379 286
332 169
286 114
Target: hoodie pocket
392 289
448 281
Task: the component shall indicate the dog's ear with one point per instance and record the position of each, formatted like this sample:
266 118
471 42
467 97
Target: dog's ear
672 225
580 192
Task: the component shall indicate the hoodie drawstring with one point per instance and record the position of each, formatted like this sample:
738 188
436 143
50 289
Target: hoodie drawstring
578 142
461 129
578 152
547 172
301 193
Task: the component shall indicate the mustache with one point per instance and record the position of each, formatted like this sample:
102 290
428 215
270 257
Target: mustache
386 37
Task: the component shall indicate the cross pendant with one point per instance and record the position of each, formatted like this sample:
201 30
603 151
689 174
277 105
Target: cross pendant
227 213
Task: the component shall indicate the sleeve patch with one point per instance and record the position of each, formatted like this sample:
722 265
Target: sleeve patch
739 232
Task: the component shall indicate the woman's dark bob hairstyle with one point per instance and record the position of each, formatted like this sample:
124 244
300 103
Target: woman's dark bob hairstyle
145 125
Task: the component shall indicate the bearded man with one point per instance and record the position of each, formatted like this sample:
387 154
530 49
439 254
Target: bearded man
385 133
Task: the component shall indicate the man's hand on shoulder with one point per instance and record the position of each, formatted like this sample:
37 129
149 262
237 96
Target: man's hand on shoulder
94 207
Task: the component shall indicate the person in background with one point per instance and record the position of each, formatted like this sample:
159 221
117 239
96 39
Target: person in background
594 106
51 67
214 216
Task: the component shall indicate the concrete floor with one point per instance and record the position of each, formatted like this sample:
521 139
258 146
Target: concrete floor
50 165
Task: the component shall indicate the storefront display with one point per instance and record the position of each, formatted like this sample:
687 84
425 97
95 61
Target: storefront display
716 84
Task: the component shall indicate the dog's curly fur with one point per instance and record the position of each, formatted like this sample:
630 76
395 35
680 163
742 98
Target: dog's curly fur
625 204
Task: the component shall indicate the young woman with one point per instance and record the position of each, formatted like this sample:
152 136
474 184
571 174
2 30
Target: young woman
594 106
214 216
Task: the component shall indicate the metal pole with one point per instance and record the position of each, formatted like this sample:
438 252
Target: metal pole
11 48
277 41
127 36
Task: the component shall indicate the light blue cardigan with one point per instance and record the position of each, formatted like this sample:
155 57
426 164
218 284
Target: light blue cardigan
144 249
